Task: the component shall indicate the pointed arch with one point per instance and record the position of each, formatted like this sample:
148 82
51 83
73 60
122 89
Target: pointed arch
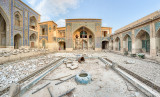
5 26
17 19
142 42
117 44
17 41
33 22
127 43
83 33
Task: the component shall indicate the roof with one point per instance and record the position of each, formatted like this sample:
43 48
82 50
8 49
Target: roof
106 27
28 7
139 22
84 19
47 22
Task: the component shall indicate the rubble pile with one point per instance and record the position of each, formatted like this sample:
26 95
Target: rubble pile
13 72
7 53
147 70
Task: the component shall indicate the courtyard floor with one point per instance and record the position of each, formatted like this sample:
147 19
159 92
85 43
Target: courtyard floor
105 82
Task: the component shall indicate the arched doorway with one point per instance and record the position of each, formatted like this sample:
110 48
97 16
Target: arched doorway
84 45
117 44
83 39
17 19
33 39
2 32
127 43
62 45
105 45
143 42
17 41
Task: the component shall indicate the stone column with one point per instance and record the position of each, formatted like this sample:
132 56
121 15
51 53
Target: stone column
69 40
133 42
121 41
152 40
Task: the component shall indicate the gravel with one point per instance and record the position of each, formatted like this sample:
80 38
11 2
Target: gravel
13 72
145 69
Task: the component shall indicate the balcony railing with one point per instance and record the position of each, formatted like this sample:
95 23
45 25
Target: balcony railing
59 39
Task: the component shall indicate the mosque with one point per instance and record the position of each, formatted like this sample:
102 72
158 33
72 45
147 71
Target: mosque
20 27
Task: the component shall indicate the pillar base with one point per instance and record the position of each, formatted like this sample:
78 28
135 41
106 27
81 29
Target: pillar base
69 49
98 49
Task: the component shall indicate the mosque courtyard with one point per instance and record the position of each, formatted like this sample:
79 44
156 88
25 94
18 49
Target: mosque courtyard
76 48
105 80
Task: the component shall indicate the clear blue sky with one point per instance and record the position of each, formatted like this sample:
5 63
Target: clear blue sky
114 13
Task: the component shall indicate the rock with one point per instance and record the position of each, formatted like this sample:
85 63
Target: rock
129 62
14 90
74 67
69 65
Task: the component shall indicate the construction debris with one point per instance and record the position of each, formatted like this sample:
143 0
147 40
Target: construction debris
65 80
129 62
50 92
81 59
14 90
67 92
58 78
41 88
13 72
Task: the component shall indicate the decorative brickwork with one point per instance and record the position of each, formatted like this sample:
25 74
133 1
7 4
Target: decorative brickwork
157 26
145 28
129 33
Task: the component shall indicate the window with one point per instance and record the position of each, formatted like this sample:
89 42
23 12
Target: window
76 36
17 20
43 31
83 34
105 33
33 22
90 36
54 27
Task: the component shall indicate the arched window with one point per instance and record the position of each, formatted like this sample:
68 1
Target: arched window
83 34
33 23
17 20
76 36
43 31
90 36
54 28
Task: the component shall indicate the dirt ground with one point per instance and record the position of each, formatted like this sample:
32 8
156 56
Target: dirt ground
105 82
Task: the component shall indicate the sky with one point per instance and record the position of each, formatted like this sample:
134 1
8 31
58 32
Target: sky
114 13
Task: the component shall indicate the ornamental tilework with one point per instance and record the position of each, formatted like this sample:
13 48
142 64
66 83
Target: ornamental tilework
129 33
6 7
98 27
105 38
60 39
90 26
28 28
41 37
145 28
11 22
26 37
83 20
98 41
19 4
157 26
23 26
68 29
68 25
111 38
